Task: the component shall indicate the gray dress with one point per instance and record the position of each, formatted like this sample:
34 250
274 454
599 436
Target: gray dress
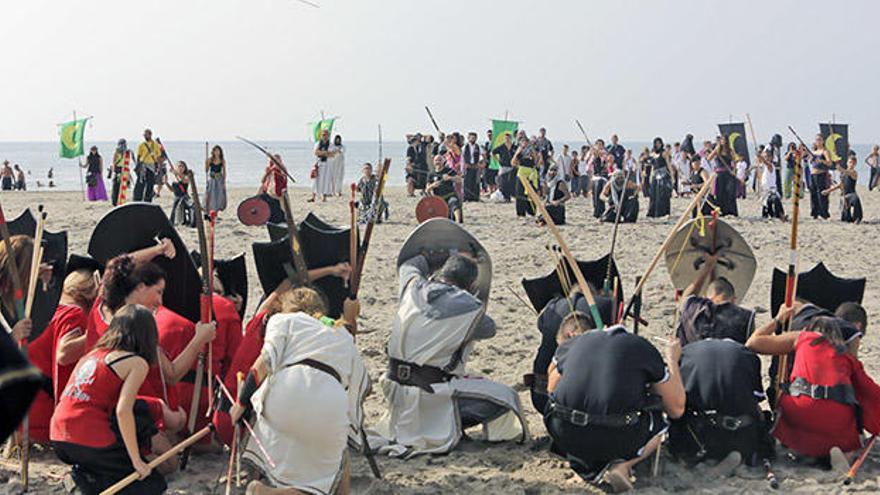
215 192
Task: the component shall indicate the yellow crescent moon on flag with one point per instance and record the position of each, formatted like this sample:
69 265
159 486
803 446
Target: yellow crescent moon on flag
831 146
68 134
732 141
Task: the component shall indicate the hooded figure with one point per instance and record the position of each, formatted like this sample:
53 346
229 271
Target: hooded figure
430 396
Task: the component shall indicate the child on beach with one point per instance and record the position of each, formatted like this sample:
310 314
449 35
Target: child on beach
367 189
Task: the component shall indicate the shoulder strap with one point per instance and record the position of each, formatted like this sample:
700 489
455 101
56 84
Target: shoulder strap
120 359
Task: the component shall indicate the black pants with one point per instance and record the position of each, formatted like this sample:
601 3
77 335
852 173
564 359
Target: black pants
114 191
590 448
523 205
472 183
144 188
96 469
818 201
507 182
772 207
851 208
182 206
875 175
598 204
454 205
693 439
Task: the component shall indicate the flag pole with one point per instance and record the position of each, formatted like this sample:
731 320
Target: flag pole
82 186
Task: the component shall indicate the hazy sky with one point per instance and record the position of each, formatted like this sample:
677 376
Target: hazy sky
212 69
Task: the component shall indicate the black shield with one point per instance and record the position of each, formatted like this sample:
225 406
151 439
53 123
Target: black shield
77 262
323 245
19 383
232 273
735 134
836 137
541 290
55 254
818 286
135 226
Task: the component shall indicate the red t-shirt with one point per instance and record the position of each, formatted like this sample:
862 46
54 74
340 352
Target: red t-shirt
245 356
42 353
82 416
812 427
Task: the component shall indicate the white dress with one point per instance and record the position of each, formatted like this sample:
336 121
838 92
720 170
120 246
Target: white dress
304 416
337 169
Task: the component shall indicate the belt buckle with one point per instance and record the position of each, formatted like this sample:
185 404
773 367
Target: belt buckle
579 418
730 423
818 391
404 372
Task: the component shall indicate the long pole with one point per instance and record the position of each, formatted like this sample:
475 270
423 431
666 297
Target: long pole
572 262
82 186
358 269
854 469
131 478
583 131
791 275
434 122
684 216
607 284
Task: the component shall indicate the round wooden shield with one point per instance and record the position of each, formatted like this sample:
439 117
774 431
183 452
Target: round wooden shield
431 207
254 211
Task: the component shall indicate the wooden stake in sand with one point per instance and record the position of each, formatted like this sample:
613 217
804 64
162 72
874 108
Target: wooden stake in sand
582 281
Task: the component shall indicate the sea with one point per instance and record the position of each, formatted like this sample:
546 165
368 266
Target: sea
245 163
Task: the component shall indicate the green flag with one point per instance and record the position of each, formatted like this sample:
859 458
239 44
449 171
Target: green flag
72 138
499 129
321 126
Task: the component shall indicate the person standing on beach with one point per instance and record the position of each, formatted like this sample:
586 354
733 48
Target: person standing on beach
95 175
617 151
544 146
471 160
415 160
7 180
337 166
873 163
116 171
148 155
20 182
850 204
819 179
215 190
321 171
504 155
490 175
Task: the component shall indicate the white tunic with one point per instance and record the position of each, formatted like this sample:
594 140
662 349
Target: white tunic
304 416
431 324
323 183
337 169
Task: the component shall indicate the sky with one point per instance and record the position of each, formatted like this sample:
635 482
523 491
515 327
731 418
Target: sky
213 69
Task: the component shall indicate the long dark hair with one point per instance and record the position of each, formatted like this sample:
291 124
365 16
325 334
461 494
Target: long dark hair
217 148
123 275
829 331
132 329
658 145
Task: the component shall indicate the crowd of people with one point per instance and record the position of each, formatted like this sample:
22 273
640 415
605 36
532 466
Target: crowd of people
611 176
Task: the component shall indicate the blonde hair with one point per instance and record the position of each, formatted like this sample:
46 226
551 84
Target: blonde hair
301 299
82 287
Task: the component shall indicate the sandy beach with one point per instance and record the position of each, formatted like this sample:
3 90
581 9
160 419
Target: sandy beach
517 250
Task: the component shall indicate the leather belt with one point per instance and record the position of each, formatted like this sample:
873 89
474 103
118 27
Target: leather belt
843 393
414 375
311 363
725 422
581 418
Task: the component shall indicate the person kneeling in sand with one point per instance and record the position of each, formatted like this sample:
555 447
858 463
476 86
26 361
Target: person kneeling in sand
828 397
442 183
430 396
307 390
722 420
604 415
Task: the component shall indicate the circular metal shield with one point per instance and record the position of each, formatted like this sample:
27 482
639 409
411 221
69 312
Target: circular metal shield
254 211
685 256
431 207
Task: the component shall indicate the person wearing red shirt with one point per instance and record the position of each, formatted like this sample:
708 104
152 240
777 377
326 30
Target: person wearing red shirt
133 279
829 398
99 426
60 346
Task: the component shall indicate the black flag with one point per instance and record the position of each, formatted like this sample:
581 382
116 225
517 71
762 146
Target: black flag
836 137
735 134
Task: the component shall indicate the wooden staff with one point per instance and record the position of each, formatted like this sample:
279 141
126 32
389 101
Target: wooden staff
585 288
584 132
434 122
239 379
353 232
301 278
206 310
233 451
791 275
272 158
854 469
131 478
36 258
246 424
684 216
358 269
